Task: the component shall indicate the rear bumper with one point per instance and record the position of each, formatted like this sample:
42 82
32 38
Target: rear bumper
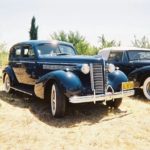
101 97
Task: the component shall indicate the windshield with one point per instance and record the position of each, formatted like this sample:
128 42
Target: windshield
139 55
47 50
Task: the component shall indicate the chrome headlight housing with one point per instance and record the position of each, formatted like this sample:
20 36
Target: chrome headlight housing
85 68
111 68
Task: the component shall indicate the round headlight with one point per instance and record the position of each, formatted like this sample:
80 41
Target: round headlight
111 68
85 68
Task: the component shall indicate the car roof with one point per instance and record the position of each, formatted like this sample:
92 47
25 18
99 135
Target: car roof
124 48
36 42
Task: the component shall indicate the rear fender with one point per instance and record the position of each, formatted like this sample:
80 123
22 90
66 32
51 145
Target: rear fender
8 70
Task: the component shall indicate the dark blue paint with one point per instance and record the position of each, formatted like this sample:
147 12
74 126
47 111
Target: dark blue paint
140 74
116 78
68 81
8 70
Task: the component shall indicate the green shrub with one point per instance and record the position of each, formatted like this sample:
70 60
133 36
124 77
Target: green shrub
3 59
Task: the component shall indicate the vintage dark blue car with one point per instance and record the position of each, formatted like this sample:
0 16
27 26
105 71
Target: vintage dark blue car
53 71
134 62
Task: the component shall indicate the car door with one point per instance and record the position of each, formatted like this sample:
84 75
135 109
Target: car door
28 65
14 61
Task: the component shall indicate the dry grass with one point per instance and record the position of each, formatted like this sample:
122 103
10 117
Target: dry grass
0 73
26 124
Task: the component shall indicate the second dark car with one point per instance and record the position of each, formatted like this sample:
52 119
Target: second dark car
134 62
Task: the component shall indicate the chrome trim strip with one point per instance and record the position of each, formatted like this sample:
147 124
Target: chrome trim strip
101 97
47 63
105 79
32 62
41 62
21 91
91 76
56 63
57 67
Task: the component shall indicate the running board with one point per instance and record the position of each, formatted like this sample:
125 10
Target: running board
24 90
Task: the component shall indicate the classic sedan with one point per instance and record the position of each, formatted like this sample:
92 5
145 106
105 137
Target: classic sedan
134 62
53 71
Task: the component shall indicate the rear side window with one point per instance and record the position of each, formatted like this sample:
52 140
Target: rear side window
28 52
115 56
18 52
15 53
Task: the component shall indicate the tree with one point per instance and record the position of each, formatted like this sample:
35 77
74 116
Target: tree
33 30
82 46
103 43
3 54
142 43
60 36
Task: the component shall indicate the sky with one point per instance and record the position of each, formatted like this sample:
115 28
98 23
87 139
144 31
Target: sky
117 19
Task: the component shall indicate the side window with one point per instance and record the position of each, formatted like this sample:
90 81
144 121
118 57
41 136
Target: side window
18 52
115 56
15 53
125 58
28 52
46 49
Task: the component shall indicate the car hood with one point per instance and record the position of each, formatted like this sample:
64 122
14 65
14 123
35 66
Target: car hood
72 59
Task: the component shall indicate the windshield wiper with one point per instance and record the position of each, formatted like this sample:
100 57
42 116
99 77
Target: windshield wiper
62 54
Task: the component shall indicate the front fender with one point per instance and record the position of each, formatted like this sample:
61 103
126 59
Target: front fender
8 70
68 81
116 78
139 75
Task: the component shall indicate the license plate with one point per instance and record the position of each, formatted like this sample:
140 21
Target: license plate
127 85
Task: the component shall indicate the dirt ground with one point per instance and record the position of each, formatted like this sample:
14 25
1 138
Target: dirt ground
26 124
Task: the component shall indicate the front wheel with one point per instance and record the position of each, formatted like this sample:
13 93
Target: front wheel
114 103
58 101
146 88
7 84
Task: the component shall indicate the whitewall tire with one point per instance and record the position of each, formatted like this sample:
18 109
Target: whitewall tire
53 100
7 84
58 101
146 88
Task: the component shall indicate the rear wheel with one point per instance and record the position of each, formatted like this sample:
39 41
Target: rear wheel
58 101
114 103
7 84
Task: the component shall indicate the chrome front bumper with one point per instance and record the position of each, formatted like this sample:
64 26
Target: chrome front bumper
101 97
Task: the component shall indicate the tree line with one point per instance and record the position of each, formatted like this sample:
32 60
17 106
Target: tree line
81 44
79 41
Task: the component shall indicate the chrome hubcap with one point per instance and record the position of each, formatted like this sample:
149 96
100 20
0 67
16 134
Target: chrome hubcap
53 99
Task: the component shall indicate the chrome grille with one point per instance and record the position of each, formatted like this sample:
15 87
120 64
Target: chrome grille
97 81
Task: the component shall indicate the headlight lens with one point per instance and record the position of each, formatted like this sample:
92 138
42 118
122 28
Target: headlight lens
85 68
111 68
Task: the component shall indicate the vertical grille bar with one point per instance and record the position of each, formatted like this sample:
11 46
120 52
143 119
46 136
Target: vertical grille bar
97 79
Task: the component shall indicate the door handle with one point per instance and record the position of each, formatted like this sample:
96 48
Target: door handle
19 63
